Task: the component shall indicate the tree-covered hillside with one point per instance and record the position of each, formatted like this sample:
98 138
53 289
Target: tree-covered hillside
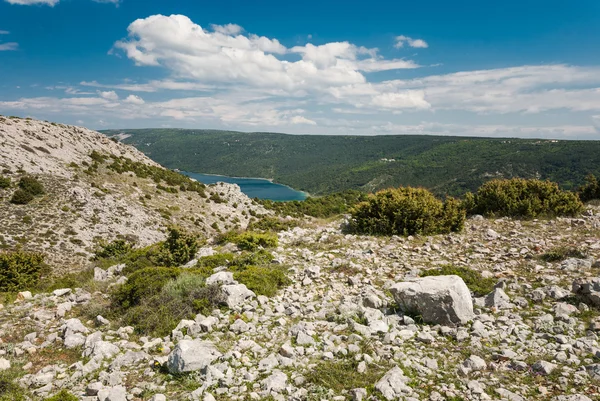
323 164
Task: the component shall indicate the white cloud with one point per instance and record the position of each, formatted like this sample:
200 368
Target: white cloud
4 32
401 40
152 86
51 3
302 120
133 99
115 2
110 95
228 29
401 100
225 56
8 46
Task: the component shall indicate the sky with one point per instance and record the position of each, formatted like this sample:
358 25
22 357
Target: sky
526 68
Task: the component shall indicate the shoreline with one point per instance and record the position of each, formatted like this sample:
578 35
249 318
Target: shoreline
271 180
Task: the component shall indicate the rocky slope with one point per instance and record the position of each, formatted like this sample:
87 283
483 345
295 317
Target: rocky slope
336 334
86 201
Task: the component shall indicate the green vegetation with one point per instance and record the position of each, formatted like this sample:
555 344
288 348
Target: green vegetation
174 180
62 395
29 188
522 198
31 185
342 375
10 390
263 280
321 207
590 190
143 283
320 164
179 248
21 197
406 211
113 249
561 253
20 270
4 182
475 282
250 241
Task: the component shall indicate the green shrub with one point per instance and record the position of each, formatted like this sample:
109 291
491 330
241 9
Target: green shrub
31 185
179 248
10 390
21 197
250 241
4 182
522 198
257 258
143 283
112 249
263 280
63 395
590 190
20 270
179 298
219 259
475 282
406 211
561 253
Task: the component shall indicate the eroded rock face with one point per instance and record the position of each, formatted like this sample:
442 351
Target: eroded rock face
438 299
192 355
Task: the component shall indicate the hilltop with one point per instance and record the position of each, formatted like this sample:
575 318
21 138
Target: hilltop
320 164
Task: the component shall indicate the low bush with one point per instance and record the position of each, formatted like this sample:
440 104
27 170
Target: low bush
219 259
112 249
143 283
20 270
263 280
475 282
21 197
406 211
4 182
31 185
260 257
179 248
590 190
250 241
561 253
10 390
522 198
62 395
179 298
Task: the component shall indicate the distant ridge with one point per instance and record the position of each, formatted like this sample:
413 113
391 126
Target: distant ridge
320 164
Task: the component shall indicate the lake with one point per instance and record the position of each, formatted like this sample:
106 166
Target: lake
253 187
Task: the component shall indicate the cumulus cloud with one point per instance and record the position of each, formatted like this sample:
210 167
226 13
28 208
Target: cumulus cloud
224 55
302 120
152 86
9 46
110 95
402 40
133 99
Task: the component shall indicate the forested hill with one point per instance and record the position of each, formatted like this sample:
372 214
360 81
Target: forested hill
323 164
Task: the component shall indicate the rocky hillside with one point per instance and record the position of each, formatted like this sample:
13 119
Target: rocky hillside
525 329
87 201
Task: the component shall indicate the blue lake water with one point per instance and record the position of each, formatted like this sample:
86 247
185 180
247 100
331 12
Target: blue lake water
253 187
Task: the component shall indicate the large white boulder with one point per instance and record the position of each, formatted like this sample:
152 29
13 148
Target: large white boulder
393 384
442 300
236 294
192 355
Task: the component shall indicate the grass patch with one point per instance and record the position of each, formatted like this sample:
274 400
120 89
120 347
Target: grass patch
475 282
263 280
342 375
9 386
561 253
62 395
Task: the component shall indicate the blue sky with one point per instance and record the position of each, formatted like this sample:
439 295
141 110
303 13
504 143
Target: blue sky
526 69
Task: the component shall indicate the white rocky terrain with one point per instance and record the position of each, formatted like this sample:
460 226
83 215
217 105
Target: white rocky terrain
83 204
358 320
